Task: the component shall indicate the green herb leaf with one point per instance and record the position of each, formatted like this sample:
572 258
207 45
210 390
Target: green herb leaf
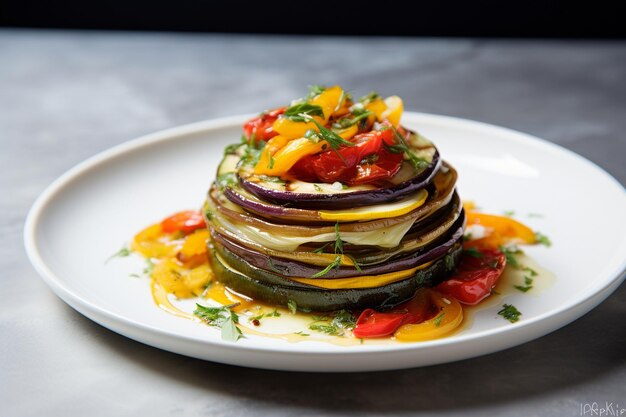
333 139
270 178
438 319
347 122
230 331
314 91
510 312
334 264
543 239
231 149
318 188
222 317
402 147
531 271
321 248
510 253
271 265
509 213
368 98
474 253
528 284
122 253
338 241
228 179
274 313
301 333
355 262
292 306
300 112
342 320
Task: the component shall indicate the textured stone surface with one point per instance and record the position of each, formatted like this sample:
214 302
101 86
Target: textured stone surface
67 95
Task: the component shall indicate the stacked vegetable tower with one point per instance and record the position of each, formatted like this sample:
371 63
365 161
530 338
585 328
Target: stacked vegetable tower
331 204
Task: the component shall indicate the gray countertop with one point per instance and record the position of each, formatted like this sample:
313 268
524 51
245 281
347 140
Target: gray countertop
67 95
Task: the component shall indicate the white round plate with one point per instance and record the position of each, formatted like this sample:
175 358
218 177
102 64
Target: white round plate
92 210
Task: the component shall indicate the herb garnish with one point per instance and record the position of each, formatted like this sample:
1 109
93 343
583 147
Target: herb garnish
543 239
438 319
270 164
122 253
474 253
368 98
321 248
402 147
333 139
318 188
222 317
301 333
510 253
528 284
302 111
314 91
274 313
334 264
510 313
346 122
509 213
232 148
228 179
342 320
292 306
338 241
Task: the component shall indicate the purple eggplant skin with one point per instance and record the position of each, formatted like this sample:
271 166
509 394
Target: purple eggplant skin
321 201
290 268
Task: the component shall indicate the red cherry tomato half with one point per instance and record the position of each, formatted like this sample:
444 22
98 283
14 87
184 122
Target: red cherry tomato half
418 309
184 221
261 126
476 276
367 161
374 324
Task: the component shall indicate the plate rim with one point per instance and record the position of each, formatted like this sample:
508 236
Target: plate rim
595 294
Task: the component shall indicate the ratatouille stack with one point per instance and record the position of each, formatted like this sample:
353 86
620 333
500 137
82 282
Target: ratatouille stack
331 204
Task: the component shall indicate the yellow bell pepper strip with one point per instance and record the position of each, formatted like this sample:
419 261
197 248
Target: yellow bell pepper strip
330 100
378 107
349 132
272 146
447 319
152 242
194 249
291 129
394 110
501 230
287 156
181 281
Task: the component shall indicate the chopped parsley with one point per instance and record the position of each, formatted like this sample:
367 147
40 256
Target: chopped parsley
474 253
122 253
358 114
368 98
438 319
274 313
402 147
528 284
341 321
510 312
510 253
333 139
301 333
314 91
228 179
543 239
531 271
222 317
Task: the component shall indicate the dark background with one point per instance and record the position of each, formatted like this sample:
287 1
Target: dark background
555 19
